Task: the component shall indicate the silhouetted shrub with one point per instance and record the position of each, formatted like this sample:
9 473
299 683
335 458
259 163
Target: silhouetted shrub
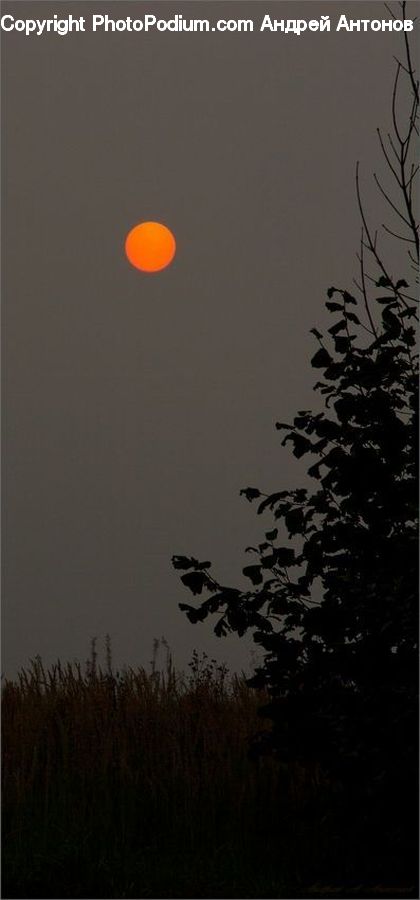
334 582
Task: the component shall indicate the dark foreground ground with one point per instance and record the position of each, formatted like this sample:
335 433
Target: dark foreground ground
140 785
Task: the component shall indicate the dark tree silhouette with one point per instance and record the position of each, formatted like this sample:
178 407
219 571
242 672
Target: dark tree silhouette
333 595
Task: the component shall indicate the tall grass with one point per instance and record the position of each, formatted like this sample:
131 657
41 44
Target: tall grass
133 783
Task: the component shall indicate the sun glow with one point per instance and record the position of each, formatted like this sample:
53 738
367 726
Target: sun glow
150 246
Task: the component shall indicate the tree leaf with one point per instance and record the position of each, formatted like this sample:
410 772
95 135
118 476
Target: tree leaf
194 615
285 556
321 359
182 562
351 316
301 444
342 344
348 298
195 581
254 573
251 493
339 326
335 307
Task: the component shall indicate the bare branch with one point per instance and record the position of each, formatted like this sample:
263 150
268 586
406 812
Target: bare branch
414 83
371 245
395 208
394 105
385 153
364 290
391 13
399 236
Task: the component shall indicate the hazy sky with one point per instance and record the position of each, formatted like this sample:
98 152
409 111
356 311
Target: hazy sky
136 407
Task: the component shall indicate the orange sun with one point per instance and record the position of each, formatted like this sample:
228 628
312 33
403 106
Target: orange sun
150 246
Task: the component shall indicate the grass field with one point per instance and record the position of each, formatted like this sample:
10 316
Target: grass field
139 784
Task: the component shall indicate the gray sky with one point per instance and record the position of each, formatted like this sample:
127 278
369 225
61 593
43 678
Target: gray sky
136 407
